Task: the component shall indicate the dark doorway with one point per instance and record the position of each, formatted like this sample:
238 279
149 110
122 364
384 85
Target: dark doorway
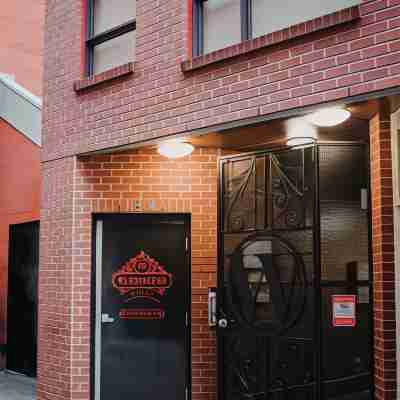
295 318
22 298
141 297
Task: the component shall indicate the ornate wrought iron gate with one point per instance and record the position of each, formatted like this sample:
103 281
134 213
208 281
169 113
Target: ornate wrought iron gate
293 233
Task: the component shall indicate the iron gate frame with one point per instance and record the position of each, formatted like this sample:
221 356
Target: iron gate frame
318 285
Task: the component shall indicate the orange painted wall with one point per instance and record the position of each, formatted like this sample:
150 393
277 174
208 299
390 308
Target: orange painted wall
19 197
21 41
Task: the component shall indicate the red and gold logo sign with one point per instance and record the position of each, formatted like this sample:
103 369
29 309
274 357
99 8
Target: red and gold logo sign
142 276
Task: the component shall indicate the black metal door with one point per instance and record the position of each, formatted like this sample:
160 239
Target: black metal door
142 280
274 315
22 298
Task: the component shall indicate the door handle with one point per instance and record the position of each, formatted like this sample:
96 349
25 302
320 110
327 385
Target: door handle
212 307
105 318
222 323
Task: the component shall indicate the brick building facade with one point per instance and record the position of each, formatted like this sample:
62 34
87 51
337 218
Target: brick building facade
21 43
350 56
21 67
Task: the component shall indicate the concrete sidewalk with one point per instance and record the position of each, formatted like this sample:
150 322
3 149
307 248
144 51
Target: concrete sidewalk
17 387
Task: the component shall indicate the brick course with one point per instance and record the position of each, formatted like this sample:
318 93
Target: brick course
159 99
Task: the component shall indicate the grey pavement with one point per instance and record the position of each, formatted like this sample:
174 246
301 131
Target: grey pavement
16 387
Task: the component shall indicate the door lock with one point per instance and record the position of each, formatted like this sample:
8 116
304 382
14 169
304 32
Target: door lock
105 318
223 323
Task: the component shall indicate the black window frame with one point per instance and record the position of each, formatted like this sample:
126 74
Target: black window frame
198 24
93 40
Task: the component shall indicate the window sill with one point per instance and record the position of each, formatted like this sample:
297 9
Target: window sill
105 76
304 28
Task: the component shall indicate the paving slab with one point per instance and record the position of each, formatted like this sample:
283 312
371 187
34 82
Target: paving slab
17 387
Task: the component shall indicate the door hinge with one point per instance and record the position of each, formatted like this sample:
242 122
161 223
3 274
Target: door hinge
187 319
186 393
364 199
187 243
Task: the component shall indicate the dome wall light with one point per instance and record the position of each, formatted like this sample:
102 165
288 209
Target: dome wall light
299 131
175 149
328 117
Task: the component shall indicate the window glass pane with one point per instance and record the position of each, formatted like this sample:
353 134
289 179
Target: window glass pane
221 24
114 52
111 13
272 15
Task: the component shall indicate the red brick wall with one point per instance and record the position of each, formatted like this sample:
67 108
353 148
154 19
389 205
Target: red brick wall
383 258
19 199
112 184
158 99
21 42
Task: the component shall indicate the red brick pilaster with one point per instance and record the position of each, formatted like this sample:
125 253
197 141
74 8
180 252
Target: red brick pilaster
55 283
383 257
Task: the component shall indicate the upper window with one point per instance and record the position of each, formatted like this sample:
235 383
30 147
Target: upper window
221 23
111 35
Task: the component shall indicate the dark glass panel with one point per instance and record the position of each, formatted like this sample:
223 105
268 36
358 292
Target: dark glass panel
239 195
287 184
344 219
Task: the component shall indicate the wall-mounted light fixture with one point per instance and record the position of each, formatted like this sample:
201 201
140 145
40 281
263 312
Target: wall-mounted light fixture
327 117
299 131
175 149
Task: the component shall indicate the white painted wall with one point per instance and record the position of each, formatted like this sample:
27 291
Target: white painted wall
20 108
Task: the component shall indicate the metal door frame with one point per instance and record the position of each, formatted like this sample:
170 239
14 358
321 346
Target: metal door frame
317 258
96 279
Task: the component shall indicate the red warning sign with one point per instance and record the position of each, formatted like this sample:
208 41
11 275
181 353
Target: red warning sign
344 310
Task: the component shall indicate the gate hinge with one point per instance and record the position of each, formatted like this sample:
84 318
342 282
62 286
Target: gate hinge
187 243
364 199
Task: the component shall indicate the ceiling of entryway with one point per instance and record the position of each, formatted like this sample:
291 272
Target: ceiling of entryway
277 132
